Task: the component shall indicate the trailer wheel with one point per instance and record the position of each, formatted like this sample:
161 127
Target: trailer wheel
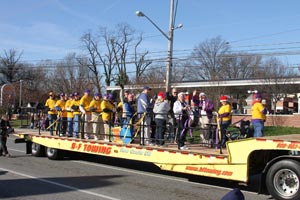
54 154
283 180
37 150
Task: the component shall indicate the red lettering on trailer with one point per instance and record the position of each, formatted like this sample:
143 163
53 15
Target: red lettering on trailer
94 148
293 146
209 171
281 145
227 173
91 148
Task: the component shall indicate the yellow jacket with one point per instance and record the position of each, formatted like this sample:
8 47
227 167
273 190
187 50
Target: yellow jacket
85 102
61 104
69 109
95 106
107 110
50 103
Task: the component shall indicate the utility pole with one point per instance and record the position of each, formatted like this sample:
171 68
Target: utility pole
170 48
169 37
20 100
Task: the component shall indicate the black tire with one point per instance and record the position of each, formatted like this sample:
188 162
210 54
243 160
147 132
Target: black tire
283 180
54 154
37 150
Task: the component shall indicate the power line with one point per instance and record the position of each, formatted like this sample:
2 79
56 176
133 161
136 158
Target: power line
266 35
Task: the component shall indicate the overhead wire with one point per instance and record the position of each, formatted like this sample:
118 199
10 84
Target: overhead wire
266 35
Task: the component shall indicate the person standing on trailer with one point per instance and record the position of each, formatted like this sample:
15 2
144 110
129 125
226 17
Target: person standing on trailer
258 112
128 112
224 118
171 118
70 115
144 109
97 122
52 115
108 110
77 114
84 109
206 108
181 111
62 115
160 110
195 108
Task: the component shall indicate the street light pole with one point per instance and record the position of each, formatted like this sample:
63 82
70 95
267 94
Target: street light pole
170 48
170 41
20 100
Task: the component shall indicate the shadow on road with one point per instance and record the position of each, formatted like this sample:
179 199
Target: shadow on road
13 188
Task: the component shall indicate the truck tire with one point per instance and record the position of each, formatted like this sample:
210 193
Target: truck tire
54 154
283 180
37 150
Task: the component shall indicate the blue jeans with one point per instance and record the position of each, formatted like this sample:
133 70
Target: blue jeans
70 127
160 131
52 118
258 127
77 125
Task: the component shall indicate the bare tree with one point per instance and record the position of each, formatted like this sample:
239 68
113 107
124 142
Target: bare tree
69 75
208 57
240 66
91 44
277 76
10 66
109 54
141 64
33 84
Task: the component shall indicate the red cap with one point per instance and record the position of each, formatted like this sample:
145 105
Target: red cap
223 98
161 94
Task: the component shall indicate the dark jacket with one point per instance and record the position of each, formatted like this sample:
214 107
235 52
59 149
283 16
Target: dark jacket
5 125
172 99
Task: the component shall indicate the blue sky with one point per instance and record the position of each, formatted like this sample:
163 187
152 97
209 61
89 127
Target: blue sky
50 29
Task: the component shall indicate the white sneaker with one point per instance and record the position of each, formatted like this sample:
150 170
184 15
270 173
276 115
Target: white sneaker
184 148
86 136
95 138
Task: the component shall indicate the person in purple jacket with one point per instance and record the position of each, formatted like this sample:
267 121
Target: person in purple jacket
206 108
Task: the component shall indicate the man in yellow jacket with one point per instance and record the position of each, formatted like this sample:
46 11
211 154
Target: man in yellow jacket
224 118
97 122
76 114
108 109
258 112
84 108
52 115
70 115
62 114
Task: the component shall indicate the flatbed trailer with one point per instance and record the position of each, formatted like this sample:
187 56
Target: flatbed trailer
274 159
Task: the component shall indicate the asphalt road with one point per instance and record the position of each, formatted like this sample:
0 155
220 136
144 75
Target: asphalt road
31 178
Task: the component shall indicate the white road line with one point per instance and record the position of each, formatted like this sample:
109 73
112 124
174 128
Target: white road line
16 150
59 184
